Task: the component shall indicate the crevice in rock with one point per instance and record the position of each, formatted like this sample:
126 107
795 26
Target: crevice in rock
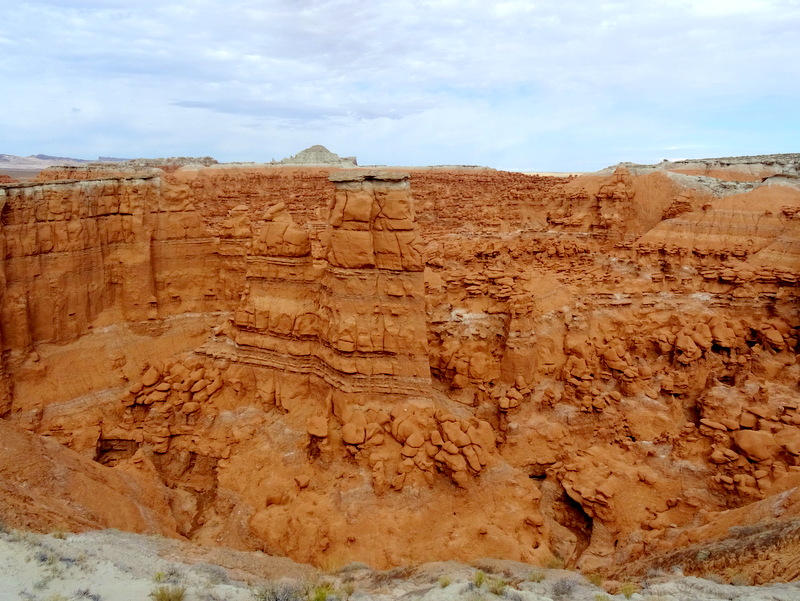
111 451
570 514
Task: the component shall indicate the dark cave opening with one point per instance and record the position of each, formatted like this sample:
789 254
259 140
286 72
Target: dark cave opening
570 514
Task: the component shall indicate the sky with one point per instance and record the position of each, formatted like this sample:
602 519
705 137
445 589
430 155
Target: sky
569 85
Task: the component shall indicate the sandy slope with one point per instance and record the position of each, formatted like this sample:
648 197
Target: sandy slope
114 566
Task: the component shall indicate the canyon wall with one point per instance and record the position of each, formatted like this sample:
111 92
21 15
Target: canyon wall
393 367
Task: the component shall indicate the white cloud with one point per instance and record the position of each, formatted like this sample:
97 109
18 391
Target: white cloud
495 83
718 8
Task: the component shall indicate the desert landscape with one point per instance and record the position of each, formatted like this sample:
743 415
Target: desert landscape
256 381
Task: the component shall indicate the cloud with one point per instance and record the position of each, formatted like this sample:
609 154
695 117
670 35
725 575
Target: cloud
265 109
403 81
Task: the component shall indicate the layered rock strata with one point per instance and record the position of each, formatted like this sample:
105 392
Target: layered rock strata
358 321
596 369
83 256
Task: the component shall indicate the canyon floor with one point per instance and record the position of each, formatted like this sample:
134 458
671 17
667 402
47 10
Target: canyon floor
109 565
399 367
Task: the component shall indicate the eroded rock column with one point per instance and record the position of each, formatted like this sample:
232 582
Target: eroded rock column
372 307
279 309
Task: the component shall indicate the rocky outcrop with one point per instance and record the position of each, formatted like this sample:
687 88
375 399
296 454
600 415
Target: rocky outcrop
360 365
361 317
84 257
76 251
731 169
46 487
319 155
619 206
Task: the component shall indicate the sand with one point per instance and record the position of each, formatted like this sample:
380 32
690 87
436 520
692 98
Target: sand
110 565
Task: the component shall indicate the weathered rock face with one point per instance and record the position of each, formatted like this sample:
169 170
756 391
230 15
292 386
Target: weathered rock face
48 487
84 257
729 169
359 320
364 366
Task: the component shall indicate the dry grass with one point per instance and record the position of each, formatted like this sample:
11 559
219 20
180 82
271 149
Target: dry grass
168 593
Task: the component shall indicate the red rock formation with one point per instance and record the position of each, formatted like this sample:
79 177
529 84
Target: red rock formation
46 487
523 366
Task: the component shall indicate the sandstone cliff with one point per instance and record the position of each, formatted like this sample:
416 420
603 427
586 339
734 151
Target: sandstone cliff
360 365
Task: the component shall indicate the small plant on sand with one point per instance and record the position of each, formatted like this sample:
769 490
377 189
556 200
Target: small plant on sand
215 574
601 597
171 575
346 590
563 588
85 593
554 563
168 593
595 578
331 564
321 592
278 592
445 581
628 589
535 576
497 586
479 578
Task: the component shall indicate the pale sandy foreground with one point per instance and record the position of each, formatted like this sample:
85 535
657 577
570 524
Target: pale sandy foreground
115 566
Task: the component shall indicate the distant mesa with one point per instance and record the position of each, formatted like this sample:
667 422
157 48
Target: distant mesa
319 155
166 162
47 157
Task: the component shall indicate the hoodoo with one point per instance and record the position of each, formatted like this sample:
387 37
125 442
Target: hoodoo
340 364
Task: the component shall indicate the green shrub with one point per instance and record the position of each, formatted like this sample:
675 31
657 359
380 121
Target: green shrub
278 592
628 589
321 592
168 593
535 576
554 563
497 586
171 575
445 581
479 578
595 578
